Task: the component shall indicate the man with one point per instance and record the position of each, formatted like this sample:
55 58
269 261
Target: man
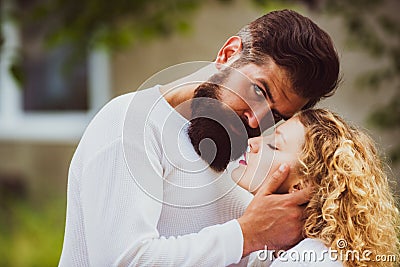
138 192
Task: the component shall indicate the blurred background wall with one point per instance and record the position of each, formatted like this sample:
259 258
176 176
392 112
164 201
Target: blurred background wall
37 141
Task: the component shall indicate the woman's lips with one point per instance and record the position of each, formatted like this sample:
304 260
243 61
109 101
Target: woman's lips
243 161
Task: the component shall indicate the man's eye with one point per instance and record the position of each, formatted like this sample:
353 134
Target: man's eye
258 90
272 147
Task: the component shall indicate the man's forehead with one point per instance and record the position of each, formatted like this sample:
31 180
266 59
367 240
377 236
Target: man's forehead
270 72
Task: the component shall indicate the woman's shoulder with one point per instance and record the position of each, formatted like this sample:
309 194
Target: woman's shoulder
310 253
310 244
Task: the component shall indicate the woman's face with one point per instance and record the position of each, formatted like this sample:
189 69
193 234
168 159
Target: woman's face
268 153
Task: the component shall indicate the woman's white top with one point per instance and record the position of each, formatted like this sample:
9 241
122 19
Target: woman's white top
307 253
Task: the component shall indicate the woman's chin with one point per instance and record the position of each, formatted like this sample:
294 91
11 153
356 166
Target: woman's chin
238 176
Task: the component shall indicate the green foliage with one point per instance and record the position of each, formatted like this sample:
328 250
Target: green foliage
269 5
387 116
17 72
380 36
31 235
114 24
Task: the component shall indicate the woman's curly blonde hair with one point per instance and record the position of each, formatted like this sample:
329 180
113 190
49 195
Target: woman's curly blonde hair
352 207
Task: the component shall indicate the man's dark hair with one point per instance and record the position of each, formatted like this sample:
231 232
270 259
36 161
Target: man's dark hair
298 45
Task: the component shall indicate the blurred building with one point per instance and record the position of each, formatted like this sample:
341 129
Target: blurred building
42 119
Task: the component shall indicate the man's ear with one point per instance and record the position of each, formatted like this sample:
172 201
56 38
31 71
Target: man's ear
231 48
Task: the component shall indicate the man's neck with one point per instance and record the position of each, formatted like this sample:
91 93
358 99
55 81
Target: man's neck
179 92
176 96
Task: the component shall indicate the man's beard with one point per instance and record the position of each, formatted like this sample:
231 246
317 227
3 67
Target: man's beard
216 132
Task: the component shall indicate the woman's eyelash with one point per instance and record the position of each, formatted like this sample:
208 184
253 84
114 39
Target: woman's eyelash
272 147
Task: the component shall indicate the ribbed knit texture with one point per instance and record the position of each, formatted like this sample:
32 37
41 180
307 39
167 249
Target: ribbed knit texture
138 194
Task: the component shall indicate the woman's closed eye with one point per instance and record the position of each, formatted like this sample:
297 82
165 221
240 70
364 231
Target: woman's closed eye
272 147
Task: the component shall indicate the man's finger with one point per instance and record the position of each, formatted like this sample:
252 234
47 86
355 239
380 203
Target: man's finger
271 184
301 197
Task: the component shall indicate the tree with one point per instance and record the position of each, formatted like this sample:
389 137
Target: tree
378 34
114 24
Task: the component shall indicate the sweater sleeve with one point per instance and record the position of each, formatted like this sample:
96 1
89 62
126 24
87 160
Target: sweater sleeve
217 245
115 198
121 213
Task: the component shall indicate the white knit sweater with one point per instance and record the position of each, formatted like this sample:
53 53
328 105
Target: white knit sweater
138 194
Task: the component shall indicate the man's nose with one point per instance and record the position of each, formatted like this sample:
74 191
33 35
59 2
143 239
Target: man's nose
255 143
251 119
256 116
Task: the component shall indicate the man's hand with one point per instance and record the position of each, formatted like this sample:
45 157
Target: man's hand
273 220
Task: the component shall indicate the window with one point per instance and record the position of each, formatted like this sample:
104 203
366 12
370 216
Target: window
58 95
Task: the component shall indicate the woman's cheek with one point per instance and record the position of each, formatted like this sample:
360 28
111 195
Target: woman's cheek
237 174
259 174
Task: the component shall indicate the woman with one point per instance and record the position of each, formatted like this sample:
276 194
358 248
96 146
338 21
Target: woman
351 219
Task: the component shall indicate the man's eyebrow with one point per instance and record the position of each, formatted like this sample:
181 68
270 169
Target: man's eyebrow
267 90
281 135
